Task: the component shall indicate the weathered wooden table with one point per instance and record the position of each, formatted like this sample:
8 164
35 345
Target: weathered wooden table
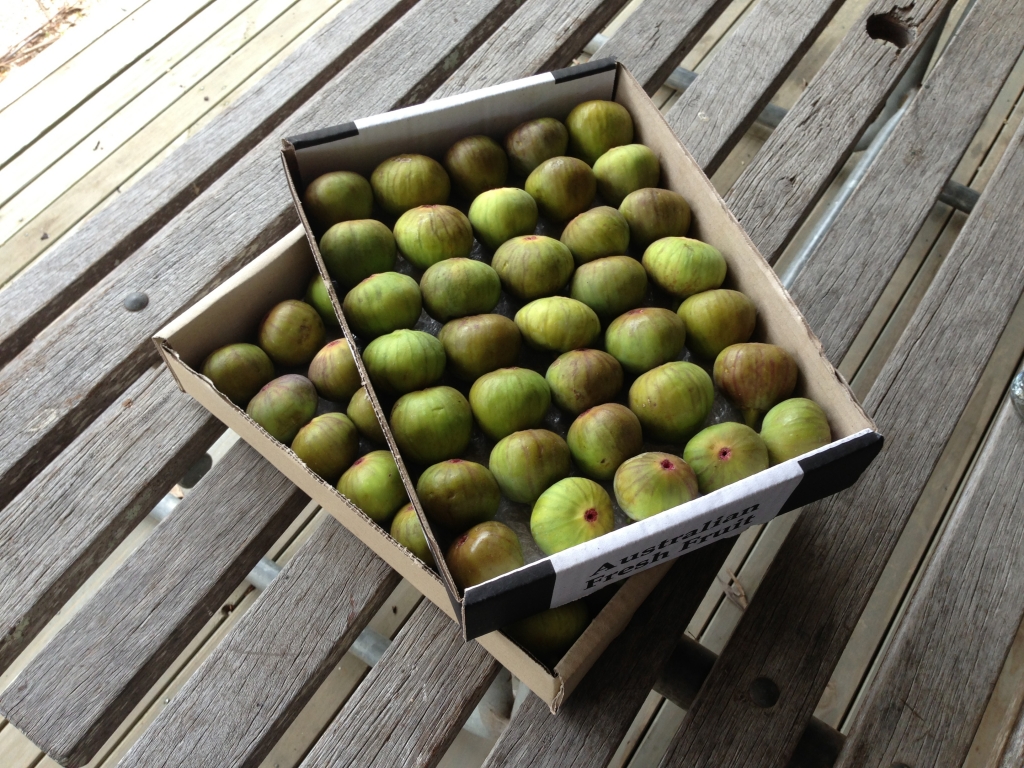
93 427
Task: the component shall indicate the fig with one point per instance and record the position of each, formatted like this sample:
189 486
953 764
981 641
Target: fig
531 143
533 266
382 303
373 484
626 169
337 196
404 360
610 286
682 267
755 377
479 344
525 463
572 511
432 425
653 214
291 333
334 373
354 250
717 319
328 445
283 406
672 401
482 553
650 483
599 232
458 494
238 371
318 298
509 400
725 453
558 324
549 634
459 287
360 410
794 427
602 438
645 338
407 531
563 187
431 233
500 214
583 378
407 181
476 164
597 126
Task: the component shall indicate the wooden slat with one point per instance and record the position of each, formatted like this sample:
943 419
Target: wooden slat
794 632
73 695
73 515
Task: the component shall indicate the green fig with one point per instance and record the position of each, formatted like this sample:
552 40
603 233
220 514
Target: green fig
794 427
653 214
725 453
583 378
610 286
549 634
432 425
476 164
354 250
334 373
596 233
533 266
291 333
525 463
373 484
459 287
479 344
672 401
431 233
509 400
626 169
318 298
650 483
360 410
602 438
563 187
482 553
717 319
755 377
531 143
283 406
407 530
407 181
328 445
337 196
404 360
682 267
382 303
572 511
645 338
500 214
558 324
458 494
597 126
238 371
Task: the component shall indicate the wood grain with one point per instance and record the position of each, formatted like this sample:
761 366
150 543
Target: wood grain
75 693
807 606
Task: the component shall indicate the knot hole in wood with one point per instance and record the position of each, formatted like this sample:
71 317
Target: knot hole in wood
888 27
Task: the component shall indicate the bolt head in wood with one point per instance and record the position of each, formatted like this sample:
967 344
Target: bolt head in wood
136 301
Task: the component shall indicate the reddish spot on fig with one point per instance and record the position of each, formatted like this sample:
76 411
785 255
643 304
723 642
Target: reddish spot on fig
590 515
666 464
461 540
725 454
529 237
358 461
455 461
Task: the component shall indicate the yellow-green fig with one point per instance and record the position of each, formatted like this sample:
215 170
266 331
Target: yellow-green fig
597 126
610 286
596 233
755 377
672 401
428 234
525 463
653 214
650 483
500 214
334 373
531 143
563 187
360 411
407 530
407 181
572 511
458 494
328 445
238 371
626 169
725 453
283 406
476 164
643 339
459 287
354 250
373 484
509 400
682 267
291 333
558 324
602 438
382 303
549 634
717 319
482 553
335 197
794 427
318 298
404 360
432 425
583 378
479 344
533 266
